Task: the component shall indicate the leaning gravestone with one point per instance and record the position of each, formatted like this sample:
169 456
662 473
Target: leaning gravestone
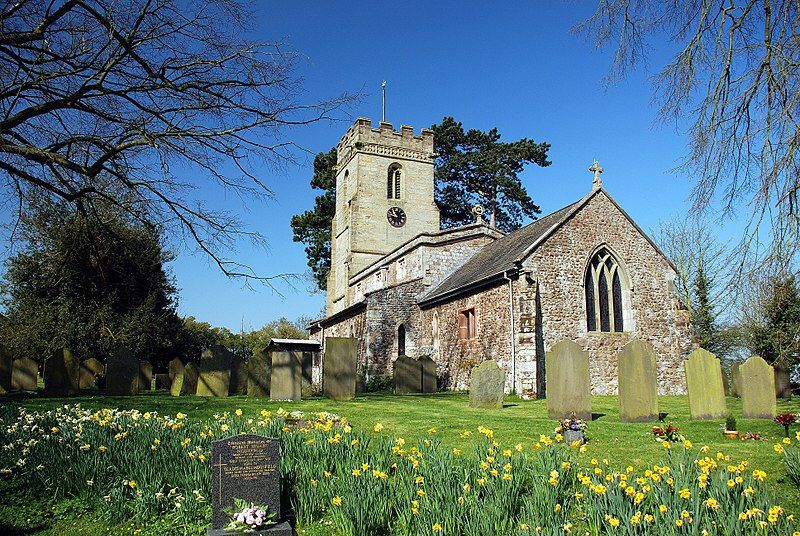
191 377
704 386
6 370
407 375
246 467
145 376
176 387
758 389
286 375
339 368
428 374
487 385
175 366
258 377
91 370
238 376
215 372
25 374
638 389
736 380
163 382
122 373
567 380
62 373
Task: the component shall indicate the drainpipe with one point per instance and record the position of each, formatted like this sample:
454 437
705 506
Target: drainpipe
513 334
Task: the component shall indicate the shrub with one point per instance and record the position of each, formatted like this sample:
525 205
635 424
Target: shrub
380 384
730 423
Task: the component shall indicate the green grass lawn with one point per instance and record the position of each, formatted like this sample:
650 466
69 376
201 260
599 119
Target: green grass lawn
411 416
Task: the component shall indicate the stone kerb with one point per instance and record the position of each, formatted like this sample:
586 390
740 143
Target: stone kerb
638 386
122 373
567 380
259 374
215 372
487 385
758 389
704 386
25 374
407 375
339 368
62 373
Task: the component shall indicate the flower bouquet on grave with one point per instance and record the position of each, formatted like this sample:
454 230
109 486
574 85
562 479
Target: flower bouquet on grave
668 433
572 429
248 517
786 420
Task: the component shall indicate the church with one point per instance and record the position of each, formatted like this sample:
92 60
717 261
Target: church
403 286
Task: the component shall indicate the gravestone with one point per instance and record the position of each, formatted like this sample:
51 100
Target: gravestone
25 374
407 375
238 376
215 372
163 382
175 366
246 467
307 368
91 370
6 370
428 374
258 374
487 384
758 389
736 380
339 368
783 386
176 387
62 373
567 381
145 376
704 386
636 376
191 377
285 375
122 373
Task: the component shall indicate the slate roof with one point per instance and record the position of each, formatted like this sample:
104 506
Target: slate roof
498 256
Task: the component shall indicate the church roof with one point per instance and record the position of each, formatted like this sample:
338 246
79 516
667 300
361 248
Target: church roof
498 257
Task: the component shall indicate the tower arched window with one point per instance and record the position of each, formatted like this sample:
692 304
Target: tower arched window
393 178
603 286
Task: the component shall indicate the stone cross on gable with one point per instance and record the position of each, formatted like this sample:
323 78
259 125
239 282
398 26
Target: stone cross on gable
597 183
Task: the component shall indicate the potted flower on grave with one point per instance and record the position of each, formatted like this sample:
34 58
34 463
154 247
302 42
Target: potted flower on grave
786 420
249 518
730 428
572 429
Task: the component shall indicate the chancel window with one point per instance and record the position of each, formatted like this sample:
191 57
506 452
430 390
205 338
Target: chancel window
466 324
603 287
401 340
393 182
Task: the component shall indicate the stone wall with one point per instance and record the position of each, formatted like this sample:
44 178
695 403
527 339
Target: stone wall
557 268
349 325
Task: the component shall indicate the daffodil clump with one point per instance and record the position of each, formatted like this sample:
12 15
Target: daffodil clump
137 465
791 456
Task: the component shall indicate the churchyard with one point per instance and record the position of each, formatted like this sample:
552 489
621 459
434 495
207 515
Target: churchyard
141 461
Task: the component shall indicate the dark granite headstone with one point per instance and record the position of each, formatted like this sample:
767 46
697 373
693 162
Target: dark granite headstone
191 375
6 370
62 373
429 376
215 371
238 384
407 375
175 366
91 370
258 377
25 374
122 373
246 467
339 368
145 376
163 382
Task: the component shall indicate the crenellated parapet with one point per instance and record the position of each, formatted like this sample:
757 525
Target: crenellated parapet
385 141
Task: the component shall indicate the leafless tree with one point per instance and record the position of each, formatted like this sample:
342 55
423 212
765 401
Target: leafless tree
145 104
735 77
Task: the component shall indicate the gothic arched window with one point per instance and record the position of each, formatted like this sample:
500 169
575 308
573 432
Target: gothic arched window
393 182
603 288
401 340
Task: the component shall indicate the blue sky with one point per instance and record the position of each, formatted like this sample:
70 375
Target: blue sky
515 67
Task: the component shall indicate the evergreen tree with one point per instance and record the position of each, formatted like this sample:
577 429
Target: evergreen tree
777 337
703 315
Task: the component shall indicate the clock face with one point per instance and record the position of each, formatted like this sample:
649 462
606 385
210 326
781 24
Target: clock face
396 216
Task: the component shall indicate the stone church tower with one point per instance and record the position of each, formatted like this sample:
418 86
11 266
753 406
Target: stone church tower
384 198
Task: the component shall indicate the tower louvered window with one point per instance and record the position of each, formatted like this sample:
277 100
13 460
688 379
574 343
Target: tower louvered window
393 182
603 287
